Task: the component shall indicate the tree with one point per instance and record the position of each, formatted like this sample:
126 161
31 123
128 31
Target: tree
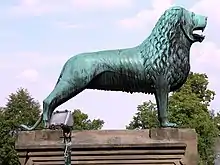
188 107
81 122
21 108
146 117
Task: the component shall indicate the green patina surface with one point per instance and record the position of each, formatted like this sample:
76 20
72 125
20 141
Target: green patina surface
159 65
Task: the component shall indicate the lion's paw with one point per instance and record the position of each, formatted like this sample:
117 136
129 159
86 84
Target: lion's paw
168 124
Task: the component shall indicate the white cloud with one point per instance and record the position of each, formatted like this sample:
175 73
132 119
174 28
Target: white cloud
148 17
207 54
205 58
210 8
34 7
31 59
40 7
101 4
29 75
68 25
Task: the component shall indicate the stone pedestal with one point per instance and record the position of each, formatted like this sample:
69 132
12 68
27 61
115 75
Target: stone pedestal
153 147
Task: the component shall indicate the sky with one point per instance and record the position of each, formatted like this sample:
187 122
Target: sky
38 36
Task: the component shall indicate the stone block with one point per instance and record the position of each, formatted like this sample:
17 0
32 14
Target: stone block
154 146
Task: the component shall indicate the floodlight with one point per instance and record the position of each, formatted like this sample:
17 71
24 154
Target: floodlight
60 119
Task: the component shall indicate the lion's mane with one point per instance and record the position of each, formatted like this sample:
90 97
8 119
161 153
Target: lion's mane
163 47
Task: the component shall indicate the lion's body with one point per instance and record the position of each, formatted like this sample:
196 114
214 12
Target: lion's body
158 65
125 69
114 70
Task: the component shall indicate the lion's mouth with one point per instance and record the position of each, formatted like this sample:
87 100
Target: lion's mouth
198 34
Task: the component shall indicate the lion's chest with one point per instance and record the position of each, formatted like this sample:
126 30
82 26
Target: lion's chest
178 69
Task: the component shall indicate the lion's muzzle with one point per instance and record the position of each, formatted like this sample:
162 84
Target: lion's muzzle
200 23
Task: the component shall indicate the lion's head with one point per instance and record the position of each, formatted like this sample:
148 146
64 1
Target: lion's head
193 25
188 22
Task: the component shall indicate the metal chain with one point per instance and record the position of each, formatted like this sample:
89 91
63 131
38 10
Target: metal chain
67 145
67 153
67 141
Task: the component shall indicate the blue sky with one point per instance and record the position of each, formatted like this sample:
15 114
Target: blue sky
38 36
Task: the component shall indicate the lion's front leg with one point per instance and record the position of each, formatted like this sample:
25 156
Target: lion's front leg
161 95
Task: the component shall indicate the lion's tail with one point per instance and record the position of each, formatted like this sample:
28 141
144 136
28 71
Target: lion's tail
26 128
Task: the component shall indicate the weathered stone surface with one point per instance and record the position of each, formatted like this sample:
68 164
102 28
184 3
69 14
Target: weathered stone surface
188 136
155 146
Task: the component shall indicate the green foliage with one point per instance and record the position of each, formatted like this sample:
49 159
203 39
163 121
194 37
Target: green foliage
7 151
189 108
20 108
146 117
216 118
81 122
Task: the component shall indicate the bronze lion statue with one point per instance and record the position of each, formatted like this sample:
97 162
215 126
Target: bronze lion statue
159 65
